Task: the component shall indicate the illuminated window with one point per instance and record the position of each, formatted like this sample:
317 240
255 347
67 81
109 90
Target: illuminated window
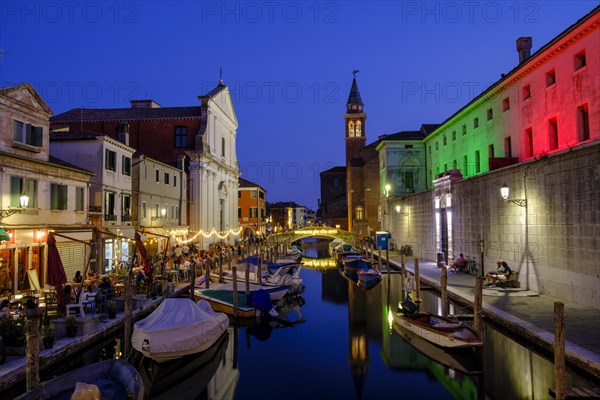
506 104
579 60
526 92
359 212
583 122
553 133
358 128
351 129
550 78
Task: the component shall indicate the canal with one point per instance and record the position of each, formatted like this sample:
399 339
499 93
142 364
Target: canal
335 341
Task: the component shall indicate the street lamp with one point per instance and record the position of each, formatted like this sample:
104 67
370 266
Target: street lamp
163 212
387 190
398 210
504 192
23 202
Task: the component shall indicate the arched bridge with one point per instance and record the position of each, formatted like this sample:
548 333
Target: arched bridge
314 231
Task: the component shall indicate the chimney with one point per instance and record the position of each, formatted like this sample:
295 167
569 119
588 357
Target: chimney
524 48
123 132
144 104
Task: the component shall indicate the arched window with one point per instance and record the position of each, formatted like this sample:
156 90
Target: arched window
223 147
358 130
351 129
180 137
359 212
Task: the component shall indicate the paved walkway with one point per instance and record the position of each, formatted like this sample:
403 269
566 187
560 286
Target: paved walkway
524 312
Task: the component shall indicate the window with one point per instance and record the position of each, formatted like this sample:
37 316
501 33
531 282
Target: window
491 151
239 212
358 132
359 212
464 129
579 60
79 199
109 206
465 166
409 180
453 135
490 114
261 195
550 78
144 209
526 92
222 147
553 133
126 161
529 142
19 186
476 123
27 133
477 162
110 160
455 164
157 176
437 145
253 212
180 137
336 182
125 207
253 195
239 194
173 212
58 196
506 104
166 178
444 140
351 129
262 213
157 210
583 122
507 147
174 180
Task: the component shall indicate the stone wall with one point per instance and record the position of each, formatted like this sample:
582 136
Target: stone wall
554 242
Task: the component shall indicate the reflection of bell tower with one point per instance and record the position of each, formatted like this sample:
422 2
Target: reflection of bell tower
355 123
357 333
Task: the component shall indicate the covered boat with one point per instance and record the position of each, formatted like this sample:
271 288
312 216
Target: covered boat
115 378
178 327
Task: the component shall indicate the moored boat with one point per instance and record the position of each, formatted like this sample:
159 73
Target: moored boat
275 292
368 274
436 329
178 327
115 377
356 263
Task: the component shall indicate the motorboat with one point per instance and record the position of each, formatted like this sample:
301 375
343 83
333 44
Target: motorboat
352 277
275 292
178 327
368 274
274 274
115 376
439 330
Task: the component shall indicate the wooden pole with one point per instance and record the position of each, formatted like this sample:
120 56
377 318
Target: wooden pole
235 292
220 261
127 324
478 306
387 259
444 284
193 284
259 271
207 274
32 341
417 281
559 350
379 257
247 276
372 247
402 276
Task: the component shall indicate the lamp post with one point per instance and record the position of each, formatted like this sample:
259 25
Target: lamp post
163 213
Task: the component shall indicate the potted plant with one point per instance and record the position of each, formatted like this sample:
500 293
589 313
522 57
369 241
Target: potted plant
112 309
71 327
48 335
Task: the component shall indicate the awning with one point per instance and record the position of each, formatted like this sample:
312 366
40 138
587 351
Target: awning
161 232
127 233
70 236
3 235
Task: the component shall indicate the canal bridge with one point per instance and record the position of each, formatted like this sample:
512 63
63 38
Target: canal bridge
316 232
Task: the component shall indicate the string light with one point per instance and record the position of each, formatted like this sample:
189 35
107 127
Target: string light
223 235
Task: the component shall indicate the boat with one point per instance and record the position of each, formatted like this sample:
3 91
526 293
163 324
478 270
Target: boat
368 274
178 327
275 292
114 377
436 329
293 253
463 360
277 274
222 301
352 277
186 377
356 263
333 245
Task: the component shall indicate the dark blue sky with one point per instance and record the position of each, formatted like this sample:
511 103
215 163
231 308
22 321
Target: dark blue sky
288 64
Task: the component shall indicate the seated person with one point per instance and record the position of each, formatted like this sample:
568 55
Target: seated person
77 278
461 263
5 309
70 294
501 274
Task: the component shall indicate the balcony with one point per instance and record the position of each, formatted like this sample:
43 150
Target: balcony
125 218
110 217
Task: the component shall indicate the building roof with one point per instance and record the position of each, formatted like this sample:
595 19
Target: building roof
69 136
354 97
335 170
62 163
285 204
6 90
403 135
126 114
243 183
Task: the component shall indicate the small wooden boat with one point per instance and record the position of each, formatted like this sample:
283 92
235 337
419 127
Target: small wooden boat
436 329
222 301
356 263
275 292
176 328
368 274
352 277
116 379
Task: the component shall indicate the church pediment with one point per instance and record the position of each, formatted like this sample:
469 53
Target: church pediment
222 100
27 96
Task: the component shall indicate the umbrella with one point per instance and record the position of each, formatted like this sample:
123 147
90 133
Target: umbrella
4 235
56 273
145 263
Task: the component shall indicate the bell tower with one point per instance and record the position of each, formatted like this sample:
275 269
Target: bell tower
355 123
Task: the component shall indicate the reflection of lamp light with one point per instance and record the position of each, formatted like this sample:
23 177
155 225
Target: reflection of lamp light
387 190
505 191
23 202
398 209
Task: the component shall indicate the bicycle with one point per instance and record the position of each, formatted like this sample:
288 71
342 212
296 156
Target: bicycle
471 267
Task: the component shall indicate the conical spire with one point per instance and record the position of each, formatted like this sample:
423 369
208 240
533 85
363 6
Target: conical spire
354 97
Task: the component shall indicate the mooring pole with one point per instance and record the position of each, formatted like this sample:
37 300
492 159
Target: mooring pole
235 293
32 341
559 350
417 280
444 284
478 306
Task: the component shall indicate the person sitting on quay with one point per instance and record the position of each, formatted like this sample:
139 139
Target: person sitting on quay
70 294
501 274
78 278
